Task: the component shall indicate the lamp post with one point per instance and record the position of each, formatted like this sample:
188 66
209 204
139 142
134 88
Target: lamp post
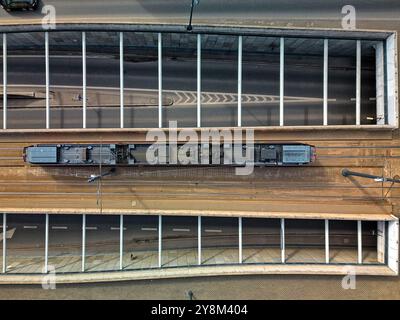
194 3
346 173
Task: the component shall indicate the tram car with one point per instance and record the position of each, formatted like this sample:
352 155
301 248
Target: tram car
138 154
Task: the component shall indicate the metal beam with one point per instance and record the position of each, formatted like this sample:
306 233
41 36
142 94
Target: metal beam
84 99
4 242
327 241
199 240
240 52
121 77
121 242
160 80
359 242
358 84
283 255
46 245
282 82
160 241
198 80
83 241
4 81
326 57
240 240
47 62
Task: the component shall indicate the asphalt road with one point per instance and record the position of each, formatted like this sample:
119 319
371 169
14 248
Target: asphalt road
213 10
180 74
141 233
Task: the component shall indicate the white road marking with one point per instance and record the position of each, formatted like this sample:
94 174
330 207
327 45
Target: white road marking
115 228
181 230
213 230
149 229
91 228
30 227
59 228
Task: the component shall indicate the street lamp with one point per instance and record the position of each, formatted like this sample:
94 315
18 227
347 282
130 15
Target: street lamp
346 173
194 3
94 177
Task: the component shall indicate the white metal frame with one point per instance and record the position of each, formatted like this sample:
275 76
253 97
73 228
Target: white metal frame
393 245
47 63
358 84
83 242
199 258
46 245
198 81
392 81
159 241
4 242
283 254
240 58
160 80
84 84
282 82
327 258
359 242
4 81
240 240
121 77
326 70
121 242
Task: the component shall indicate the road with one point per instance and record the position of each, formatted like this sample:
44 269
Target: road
213 10
141 233
303 94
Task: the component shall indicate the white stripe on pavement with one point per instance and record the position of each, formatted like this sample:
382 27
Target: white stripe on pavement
149 229
181 230
213 230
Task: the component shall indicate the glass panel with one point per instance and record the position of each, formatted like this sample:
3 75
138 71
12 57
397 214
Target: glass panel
220 240
368 82
26 81
219 80
261 240
343 241
1 241
180 79
103 70
140 242
25 243
1 81
342 82
65 70
370 242
102 243
179 247
65 243
260 81
304 61
305 241
141 79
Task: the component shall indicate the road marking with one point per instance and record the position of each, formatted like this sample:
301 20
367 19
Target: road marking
91 228
213 230
116 228
149 229
181 230
30 227
59 228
